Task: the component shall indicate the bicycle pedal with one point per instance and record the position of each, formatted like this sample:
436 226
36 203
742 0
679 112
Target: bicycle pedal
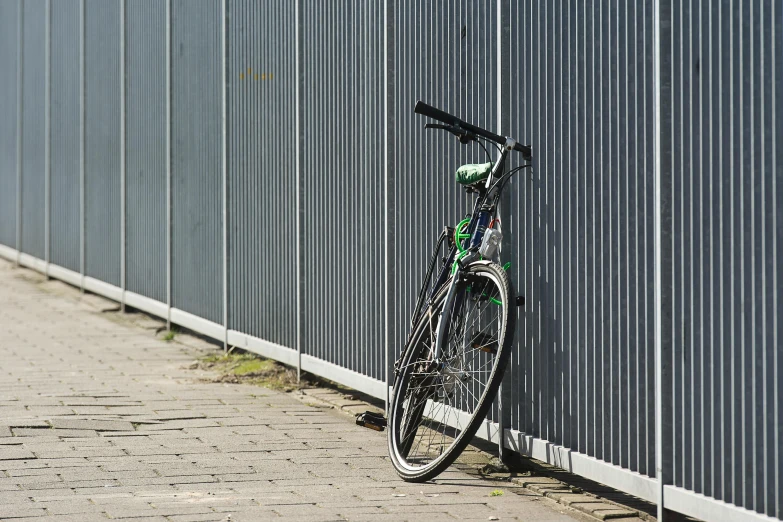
372 420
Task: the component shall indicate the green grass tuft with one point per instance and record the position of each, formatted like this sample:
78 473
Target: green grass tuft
253 365
496 493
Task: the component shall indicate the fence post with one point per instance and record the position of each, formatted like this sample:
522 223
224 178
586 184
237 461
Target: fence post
19 73
82 124
224 173
123 230
388 174
47 143
503 90
299 238
657 255
168 164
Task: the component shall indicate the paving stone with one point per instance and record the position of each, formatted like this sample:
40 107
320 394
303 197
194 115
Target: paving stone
396 517
96 425
80 517
602 510
15 453
66 462
14 497
23 472
418 507
22 432
570 498
32 486
14 510
169 509
609 514
52 495
26 423
302 510
114 498
70 507
32 479
86 453
537 481
168 480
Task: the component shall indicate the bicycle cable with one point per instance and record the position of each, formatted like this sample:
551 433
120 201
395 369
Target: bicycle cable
504 179
497 147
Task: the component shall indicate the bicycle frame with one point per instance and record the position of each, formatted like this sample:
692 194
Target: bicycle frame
483 211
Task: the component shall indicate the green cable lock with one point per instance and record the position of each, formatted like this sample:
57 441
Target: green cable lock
458 237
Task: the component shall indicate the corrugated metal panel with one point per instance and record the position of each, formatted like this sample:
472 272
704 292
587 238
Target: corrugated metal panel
262 148
34 127
723 101
145 122
197 237
65 143
102 140
9 60
583 371
342 184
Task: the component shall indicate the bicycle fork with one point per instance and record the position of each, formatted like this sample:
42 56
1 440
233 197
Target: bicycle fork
450 304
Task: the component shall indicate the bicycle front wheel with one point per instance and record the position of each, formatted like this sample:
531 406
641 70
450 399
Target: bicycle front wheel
437 406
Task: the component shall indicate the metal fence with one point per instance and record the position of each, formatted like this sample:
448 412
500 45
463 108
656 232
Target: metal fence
253 171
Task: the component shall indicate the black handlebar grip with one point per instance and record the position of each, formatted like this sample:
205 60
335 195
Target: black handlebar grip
526 151
436 114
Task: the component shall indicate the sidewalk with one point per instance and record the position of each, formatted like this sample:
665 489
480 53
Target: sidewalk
100 420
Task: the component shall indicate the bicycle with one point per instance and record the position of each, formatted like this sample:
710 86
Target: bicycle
462 326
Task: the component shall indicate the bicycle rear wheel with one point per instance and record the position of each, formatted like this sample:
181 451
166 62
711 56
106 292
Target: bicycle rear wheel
437 407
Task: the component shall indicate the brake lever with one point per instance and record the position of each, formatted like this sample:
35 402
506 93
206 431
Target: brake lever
439 126
462 135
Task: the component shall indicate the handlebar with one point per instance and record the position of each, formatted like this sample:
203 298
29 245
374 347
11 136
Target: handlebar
449 119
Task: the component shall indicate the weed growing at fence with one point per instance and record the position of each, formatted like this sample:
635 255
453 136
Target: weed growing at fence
251 369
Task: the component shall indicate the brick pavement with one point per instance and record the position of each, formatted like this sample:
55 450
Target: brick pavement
98 420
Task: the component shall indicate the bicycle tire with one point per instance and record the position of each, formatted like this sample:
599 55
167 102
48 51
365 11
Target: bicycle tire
434 390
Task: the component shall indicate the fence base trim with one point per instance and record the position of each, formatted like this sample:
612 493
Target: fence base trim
146 304
33 262
8 253
65 275
99 287
350 378
263 348
197 324
706 508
